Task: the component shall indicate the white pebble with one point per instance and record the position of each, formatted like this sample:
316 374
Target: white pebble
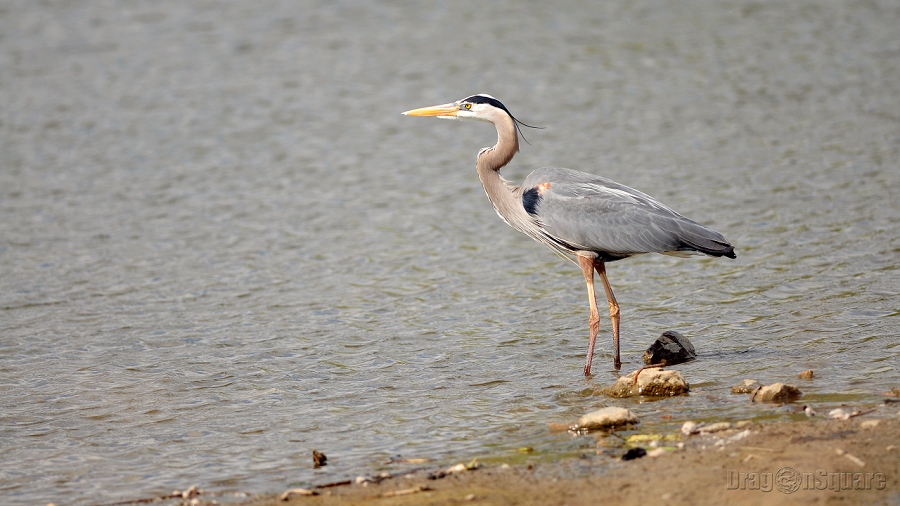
715 427
689 428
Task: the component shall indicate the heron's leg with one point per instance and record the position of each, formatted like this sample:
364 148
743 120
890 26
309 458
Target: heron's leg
587 268
613 312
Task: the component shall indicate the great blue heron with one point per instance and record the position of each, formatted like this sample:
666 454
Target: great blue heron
592 218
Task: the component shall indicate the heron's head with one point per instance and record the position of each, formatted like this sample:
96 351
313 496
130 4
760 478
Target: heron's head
480 107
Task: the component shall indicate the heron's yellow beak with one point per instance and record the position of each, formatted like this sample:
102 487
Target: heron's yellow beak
446 111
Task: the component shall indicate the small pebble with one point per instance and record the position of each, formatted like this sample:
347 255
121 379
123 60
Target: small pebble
856 460
842 414
740 435
869 424
715 427
406 491
605 418
689 428
297 491
776 392
746 387
656 452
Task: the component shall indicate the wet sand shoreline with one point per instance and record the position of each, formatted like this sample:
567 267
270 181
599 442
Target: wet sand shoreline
855 461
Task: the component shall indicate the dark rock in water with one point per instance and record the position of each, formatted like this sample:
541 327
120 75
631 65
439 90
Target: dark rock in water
634 453
670 348
319 459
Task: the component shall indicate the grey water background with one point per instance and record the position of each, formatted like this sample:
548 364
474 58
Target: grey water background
222 246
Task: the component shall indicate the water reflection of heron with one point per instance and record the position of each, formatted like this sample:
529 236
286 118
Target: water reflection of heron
594 219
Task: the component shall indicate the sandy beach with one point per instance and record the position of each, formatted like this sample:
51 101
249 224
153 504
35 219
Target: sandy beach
820 461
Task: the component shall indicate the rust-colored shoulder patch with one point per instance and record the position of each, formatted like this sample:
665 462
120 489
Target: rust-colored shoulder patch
542 187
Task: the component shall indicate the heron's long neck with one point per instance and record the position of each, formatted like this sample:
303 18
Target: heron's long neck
505 198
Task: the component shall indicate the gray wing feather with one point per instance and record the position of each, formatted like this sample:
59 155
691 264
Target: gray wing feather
592 213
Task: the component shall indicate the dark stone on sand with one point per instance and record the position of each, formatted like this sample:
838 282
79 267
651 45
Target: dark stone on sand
634 453
670 348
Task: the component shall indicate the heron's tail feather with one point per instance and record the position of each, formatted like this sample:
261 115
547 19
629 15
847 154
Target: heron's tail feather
698 238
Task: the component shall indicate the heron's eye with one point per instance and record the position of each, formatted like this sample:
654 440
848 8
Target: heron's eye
467 106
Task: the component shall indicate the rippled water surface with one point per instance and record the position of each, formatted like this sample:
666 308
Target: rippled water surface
222 246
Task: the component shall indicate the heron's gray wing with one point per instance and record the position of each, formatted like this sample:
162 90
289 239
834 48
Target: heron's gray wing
596 214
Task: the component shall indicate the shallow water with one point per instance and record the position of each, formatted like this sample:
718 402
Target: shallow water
222 246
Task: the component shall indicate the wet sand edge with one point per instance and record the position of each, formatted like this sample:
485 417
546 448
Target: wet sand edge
849 461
